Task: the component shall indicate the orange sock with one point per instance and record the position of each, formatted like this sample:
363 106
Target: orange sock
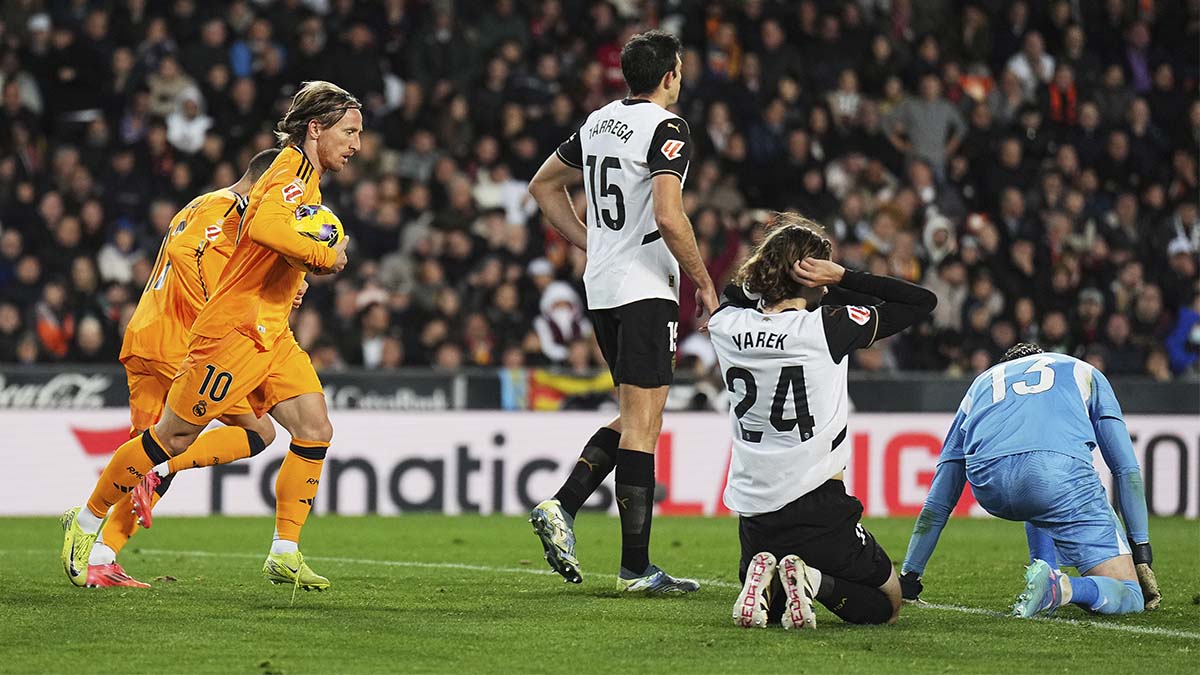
122 523
296 487
126 468
219 446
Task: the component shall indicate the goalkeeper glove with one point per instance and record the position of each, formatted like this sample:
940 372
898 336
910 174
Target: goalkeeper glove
1143 558
911 586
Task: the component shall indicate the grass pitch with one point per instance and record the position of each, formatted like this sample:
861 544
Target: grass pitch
469 594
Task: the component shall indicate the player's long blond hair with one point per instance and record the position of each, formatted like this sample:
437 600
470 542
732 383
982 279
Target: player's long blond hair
317 100
767 272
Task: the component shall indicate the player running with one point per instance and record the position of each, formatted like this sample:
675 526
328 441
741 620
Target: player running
1023 437
194 250
241 346
784 361
634 154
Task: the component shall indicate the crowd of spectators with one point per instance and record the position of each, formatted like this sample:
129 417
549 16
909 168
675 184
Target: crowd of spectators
1033 162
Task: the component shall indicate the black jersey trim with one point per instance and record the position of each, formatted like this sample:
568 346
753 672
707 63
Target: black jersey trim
634 101
670 171
652 237
837 440
566 161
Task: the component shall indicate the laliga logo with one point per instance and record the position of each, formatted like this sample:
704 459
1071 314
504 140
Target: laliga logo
293 191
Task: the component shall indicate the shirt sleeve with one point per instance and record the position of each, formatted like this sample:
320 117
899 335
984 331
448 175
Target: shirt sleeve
271 221
670 148
570 151
849 328
944 492
1103 401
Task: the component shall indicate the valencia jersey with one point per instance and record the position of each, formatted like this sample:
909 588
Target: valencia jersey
190 260
254 295
789 402
620 148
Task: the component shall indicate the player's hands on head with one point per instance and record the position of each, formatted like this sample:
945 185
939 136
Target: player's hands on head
911 587
815 272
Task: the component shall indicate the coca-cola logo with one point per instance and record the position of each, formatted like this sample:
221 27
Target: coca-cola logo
65 390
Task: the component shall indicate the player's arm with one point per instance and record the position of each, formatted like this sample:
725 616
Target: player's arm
549 190
944 493
849 328
1117 451
271 227
668 158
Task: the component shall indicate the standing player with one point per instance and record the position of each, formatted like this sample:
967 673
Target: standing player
241 346
194 251
634 154
784 361
1023 437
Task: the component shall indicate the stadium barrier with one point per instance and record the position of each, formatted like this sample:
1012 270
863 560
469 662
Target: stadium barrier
504 462
93 387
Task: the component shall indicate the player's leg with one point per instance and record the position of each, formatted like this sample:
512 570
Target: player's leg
1065 499
245 435
293 395
307 420
129 464
553 519
643 371
1041 545
826 555
757 572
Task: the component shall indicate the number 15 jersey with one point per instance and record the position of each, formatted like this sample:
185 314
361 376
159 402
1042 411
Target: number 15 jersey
620 148
788 401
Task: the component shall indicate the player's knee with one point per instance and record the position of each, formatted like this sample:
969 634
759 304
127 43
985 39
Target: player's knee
320 431
266 433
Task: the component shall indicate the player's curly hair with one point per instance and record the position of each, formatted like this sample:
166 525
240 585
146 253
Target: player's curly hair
767 272
317 100
1020 350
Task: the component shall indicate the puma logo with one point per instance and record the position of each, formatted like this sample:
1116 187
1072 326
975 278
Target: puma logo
674 126
589 465
623 503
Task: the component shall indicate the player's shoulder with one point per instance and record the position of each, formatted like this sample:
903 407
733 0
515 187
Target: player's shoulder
856 314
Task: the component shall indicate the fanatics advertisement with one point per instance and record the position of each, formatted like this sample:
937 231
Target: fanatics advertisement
498 462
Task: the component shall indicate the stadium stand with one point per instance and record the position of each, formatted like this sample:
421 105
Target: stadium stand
1034 163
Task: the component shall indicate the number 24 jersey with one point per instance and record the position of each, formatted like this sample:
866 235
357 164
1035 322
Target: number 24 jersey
788 401
620 148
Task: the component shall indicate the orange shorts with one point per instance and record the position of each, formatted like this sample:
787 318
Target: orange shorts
219 373
149 382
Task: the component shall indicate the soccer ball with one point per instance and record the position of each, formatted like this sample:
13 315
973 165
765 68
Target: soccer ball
318 223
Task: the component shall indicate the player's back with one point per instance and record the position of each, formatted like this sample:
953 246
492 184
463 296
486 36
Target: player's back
1038 402
622 146
788 407
190 260
256 289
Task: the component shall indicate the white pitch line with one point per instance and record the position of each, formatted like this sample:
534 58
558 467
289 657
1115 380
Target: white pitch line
1083 623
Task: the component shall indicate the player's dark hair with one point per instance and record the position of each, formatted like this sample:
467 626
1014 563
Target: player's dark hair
1020 350
646 58
767 272
318 100
260 163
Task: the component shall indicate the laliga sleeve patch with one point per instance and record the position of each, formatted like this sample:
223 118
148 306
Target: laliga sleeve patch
859 315
293 191
212 232
670 149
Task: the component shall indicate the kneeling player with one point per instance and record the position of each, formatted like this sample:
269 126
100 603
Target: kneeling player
1023 437
784 362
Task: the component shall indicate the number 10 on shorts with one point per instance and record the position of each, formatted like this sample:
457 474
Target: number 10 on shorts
215 388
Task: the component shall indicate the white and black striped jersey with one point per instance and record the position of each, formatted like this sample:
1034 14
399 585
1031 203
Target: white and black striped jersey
786 376
620 148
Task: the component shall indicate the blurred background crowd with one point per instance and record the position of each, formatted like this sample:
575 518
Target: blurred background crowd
1035 163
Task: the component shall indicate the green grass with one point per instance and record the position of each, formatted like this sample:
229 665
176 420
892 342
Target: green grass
221 616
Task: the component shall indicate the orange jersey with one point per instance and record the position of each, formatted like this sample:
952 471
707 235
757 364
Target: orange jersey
190 260
255 293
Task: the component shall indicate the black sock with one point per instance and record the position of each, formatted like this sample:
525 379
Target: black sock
596 461
635 501
854 603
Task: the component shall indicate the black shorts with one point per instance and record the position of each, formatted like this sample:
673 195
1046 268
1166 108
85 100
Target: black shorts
822 527
638 341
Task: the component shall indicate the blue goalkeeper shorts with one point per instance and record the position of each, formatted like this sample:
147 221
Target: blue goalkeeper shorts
1060 494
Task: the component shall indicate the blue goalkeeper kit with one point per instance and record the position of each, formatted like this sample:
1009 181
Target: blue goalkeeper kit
1024 436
